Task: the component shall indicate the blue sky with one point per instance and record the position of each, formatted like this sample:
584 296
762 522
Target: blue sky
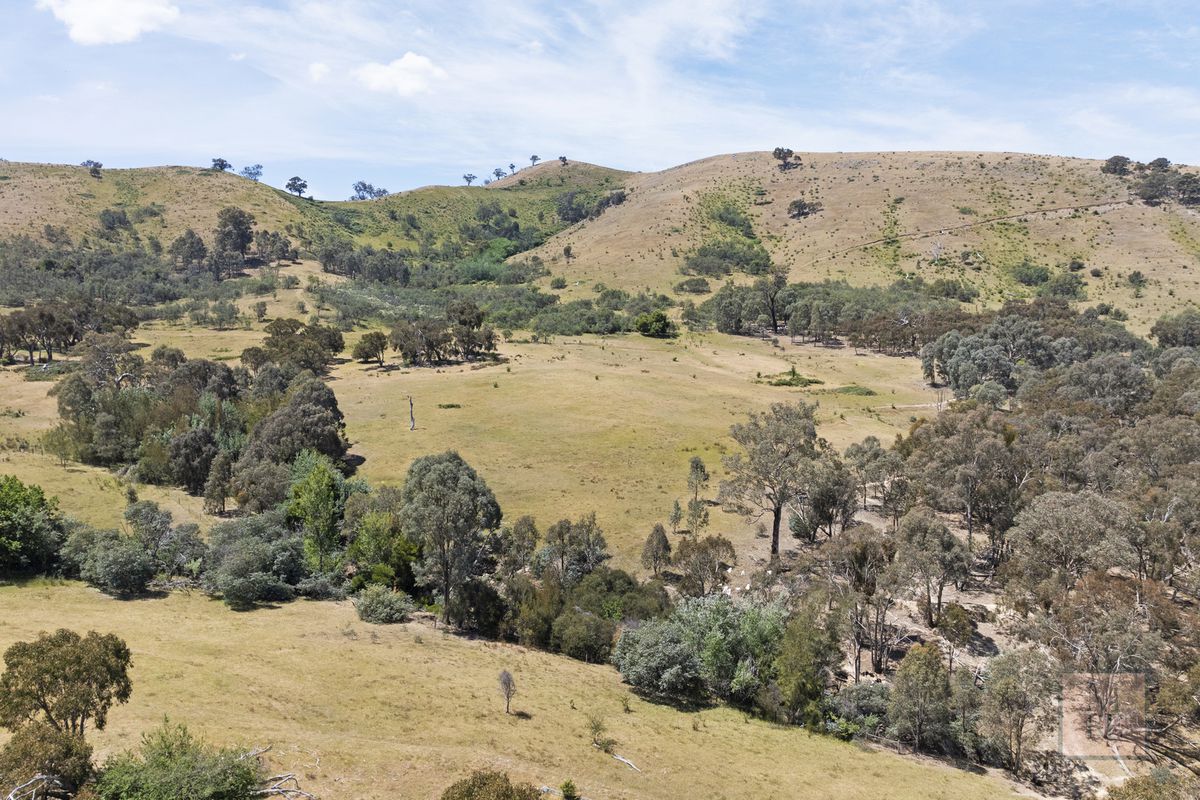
403 94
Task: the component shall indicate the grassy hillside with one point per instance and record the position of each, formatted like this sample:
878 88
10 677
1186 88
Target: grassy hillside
968 216
364 712
164 201
887 215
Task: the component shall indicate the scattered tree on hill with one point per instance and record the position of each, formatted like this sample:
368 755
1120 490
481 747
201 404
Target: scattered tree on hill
562 160
801 208
655 324
296 185
934 555
675 517
779 447
39 757
498 172
217 484
512 169
64 680
508 688
958 628
221 165
316 502
1155 188
93 166
1187 189
1116 165
1160 784
449 509
656 552
697 516
573 550
188 248
809 656
703 563
235 231
698 477
469 178
1018 702
533 160
1180 330
253 172
568 253
371 347
784 156
919 709
365 191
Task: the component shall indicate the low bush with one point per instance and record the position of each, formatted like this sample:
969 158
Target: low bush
119 566
171 763
484 785
382 606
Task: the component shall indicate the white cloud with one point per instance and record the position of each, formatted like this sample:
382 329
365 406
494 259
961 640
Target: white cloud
110 21
237 56
317 71
406 76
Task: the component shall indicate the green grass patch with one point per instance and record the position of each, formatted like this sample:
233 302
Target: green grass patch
792 378
856 390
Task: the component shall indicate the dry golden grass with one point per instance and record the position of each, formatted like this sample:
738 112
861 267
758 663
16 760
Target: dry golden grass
32 195
363 712
641 244
610 424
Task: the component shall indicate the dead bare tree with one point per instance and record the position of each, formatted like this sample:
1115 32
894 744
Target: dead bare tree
285 785
508 688
39 787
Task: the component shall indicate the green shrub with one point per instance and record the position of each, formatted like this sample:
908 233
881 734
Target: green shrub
655 324
695 285
485 785
558 282
382 606
583 636
172 764
119 566
1030 274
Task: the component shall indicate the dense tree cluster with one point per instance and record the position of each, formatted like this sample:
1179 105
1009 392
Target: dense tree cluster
1157 182
200 424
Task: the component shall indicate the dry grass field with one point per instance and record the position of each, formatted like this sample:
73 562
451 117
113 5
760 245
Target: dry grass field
366 712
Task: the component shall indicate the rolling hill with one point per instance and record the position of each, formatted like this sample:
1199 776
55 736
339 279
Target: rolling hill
887 215
972 217
164 201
